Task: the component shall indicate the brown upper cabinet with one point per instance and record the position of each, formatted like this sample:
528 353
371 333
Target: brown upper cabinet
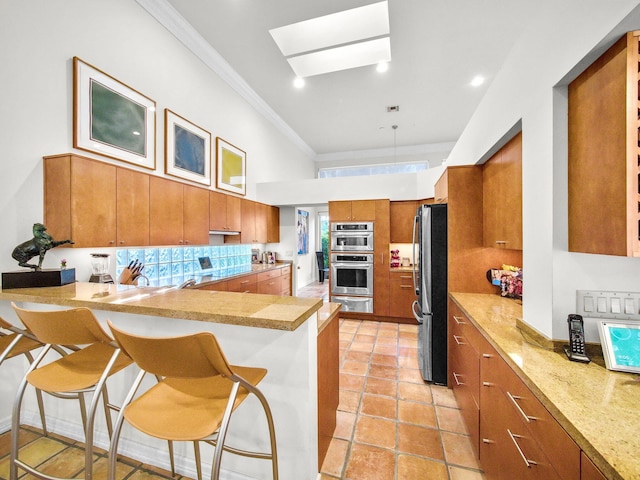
402 215
352 211
132 206
80 200
179 214
604 149
273 224
441 188
165 213
255 218
502 197
224 212
195 215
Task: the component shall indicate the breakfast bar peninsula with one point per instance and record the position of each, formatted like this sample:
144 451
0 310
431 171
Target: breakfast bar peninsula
278 333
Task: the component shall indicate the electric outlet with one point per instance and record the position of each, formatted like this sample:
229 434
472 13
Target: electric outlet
597 304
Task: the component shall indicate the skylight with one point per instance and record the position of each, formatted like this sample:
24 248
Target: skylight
339 41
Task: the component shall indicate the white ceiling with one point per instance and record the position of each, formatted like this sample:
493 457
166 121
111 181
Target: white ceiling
437 47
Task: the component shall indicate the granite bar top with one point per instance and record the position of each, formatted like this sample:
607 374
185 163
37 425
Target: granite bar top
599 408
205 278
244 309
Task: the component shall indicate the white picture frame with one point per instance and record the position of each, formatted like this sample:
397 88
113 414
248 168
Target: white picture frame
111 118
187 149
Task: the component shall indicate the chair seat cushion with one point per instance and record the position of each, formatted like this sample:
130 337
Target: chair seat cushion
78 370
185 409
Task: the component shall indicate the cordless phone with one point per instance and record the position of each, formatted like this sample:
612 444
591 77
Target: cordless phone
576 350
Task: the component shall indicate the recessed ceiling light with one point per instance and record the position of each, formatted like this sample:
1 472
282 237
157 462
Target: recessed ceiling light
477 81
298 82
382 67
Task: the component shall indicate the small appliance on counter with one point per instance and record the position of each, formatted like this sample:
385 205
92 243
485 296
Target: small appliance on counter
100 268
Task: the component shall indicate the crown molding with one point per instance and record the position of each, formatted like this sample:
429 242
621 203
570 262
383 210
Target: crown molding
176 24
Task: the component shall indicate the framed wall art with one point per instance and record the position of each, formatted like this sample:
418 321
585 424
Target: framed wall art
231 168
302 229
111 118
187 149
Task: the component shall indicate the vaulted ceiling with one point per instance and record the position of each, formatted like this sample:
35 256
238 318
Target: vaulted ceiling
437 48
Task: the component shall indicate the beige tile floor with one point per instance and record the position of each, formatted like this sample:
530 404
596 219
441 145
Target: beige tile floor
390 424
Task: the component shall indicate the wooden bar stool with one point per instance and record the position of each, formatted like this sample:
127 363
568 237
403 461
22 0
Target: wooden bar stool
194 399
15 341
93 358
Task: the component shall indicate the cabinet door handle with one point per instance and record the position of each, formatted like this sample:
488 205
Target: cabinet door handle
486 384
456 337
486 440
455 379
514 399
459 320
527 462
487 355
406 286
501 242
406 276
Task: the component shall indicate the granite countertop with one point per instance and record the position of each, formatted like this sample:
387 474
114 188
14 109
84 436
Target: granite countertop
244 309
598 408
204 278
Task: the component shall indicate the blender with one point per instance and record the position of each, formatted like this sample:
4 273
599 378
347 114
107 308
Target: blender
100 268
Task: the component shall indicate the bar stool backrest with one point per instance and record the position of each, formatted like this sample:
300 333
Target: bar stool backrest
77 326
191 356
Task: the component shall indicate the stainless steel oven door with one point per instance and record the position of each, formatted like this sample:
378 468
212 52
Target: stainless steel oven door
351 278
352 241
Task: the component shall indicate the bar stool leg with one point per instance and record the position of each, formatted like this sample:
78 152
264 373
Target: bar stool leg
196 449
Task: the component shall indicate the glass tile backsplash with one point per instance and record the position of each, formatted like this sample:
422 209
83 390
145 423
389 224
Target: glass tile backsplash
174 265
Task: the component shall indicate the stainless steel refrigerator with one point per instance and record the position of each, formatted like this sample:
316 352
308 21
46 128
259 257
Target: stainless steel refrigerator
430 283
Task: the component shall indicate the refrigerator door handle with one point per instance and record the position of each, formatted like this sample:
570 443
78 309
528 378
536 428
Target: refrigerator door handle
416 315
414 245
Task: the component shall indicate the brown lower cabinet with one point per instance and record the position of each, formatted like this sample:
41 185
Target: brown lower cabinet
328 382
276 281
514 435
244 284
401 294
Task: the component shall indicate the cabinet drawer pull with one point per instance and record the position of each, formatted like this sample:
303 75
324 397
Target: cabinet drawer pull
486 384
487 355
455 379
514 399
501 242
459 320
527 462
486 440
456 337
406 286
243 282
406 276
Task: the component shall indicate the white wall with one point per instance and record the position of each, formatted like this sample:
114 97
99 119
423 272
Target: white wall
312 191
38 40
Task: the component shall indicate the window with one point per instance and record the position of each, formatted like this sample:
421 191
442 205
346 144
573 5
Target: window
365 170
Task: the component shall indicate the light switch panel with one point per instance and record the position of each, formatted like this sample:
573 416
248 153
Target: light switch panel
598 304
588 304
629 306
615 305
602 305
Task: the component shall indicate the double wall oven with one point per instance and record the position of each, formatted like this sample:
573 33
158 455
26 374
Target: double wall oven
352 265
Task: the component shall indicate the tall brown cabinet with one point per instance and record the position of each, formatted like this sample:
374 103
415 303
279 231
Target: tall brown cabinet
604 153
